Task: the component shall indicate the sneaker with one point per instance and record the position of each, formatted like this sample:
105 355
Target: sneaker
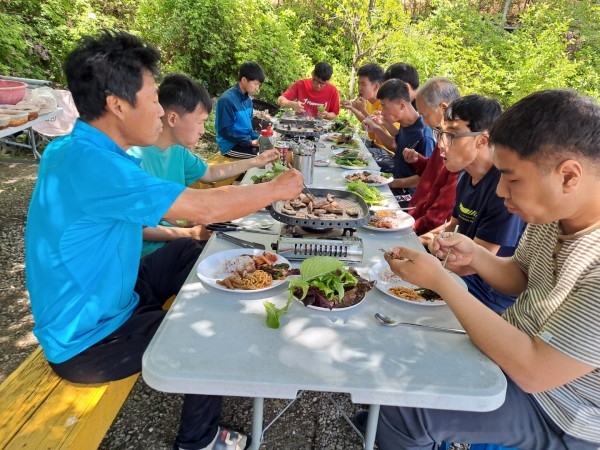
226 440
231 440
360 420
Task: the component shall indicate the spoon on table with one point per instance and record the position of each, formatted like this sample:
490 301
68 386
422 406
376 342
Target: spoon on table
389 322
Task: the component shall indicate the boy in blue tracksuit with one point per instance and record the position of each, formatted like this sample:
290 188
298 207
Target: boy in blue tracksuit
233 115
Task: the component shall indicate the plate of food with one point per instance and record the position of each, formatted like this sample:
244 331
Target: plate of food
321 161
327 285
369 194
394 286
332 136
244 270
370 177
349 159
389 220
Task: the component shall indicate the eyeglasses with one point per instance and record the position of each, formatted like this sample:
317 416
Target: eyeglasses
319 82
448 138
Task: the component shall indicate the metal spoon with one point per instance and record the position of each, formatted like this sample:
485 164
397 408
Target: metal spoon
389 322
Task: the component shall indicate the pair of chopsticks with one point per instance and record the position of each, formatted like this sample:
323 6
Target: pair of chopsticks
449 251
306 190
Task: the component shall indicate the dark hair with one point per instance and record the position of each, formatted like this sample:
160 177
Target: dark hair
374 72
394 89
478 111
111 64
182 94
438 90
550 124
251 71
404 72
323 71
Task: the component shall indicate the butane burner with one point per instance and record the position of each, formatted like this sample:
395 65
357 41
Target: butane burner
298 243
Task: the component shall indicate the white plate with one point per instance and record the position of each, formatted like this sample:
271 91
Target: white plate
407 221
337 151
210 269
373 172
331 136
374 274
322 162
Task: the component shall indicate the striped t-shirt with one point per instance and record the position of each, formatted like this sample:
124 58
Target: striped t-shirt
562 307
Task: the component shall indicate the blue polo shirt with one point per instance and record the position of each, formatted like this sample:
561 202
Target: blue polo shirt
83 239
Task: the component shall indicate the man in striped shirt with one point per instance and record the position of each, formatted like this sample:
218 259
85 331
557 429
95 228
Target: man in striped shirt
547 148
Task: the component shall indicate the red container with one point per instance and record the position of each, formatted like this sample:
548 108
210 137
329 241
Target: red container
11 92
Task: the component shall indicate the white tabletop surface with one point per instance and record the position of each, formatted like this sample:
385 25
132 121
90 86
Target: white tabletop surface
217 342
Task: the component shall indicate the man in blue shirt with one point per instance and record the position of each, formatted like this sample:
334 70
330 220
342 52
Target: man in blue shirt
233 115
95 305
187 106
394 96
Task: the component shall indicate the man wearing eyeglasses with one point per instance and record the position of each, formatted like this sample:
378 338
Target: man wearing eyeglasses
548 342
478 211
315 96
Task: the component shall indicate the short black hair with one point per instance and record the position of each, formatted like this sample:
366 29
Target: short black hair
394 89
478 111
404 72
182 94
323 71
111 64
550 125
374 72
251 71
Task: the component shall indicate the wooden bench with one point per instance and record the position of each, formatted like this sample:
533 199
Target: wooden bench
40 410
216 159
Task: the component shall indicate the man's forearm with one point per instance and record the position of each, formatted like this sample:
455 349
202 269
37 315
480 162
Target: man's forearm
382 136
221 204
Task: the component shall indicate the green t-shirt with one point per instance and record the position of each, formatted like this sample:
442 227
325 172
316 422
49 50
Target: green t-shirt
176 164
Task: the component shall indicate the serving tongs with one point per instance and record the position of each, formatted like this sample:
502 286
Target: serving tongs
240 242
230 226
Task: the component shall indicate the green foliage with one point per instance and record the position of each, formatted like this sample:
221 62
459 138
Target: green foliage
20 55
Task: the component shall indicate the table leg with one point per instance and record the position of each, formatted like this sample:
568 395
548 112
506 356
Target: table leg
36 154
371 427
257 422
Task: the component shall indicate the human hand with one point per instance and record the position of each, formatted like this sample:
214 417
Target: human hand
419 268
265 157
199 232
347 104
410 155
322 114
298 107
254 143
377 118
370 124
288 184
397 183
462 249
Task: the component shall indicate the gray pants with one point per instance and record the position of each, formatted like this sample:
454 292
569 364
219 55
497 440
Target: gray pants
518 423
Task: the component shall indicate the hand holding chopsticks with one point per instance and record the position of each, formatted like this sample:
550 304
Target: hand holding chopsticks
448 253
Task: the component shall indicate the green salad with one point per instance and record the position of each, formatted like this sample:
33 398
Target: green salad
369 194
268 176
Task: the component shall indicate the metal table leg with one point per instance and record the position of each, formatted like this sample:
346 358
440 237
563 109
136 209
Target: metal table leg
371 427
257 422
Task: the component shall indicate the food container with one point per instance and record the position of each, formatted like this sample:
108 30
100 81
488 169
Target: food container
304 161
4 121
17 119
12 92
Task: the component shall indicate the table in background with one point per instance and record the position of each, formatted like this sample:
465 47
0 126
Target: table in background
216 342
28 128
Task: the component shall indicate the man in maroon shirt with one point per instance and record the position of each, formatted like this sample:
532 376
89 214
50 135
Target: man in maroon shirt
434 196
314 96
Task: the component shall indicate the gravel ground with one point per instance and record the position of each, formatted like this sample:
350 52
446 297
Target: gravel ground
148 419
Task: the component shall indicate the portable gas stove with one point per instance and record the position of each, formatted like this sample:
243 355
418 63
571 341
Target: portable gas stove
296 242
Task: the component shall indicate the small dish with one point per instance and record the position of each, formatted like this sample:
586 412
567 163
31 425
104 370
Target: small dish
322 162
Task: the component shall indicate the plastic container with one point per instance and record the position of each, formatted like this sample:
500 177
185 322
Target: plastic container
18 119
11 92
266 139
4 121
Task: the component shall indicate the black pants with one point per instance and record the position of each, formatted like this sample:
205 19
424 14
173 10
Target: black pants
241 151
119 355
